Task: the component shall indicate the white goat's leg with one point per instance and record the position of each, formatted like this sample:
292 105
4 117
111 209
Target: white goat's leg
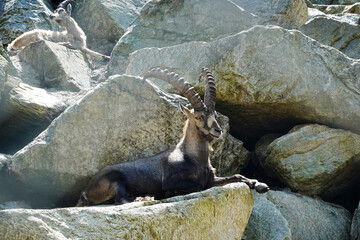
95 54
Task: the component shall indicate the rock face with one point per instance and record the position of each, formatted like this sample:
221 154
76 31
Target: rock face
122 119
58 66
315 159
26 111
17 17
105 21
3 74
355 226
287 14
265 78
218 213
281 215
166 23
335 2
341 35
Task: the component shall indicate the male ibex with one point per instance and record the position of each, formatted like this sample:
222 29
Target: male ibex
183 169
73 37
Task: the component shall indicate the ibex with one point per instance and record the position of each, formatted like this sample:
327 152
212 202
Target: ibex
73 37
182 169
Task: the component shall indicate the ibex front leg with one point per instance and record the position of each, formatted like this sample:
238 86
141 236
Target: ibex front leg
252 183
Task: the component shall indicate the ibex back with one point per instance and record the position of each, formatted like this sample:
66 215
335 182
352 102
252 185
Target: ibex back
182 169
73 37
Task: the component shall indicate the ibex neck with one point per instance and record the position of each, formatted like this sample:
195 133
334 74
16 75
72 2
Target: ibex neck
72 27
194 144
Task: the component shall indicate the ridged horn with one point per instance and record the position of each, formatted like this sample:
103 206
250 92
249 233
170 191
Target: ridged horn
64 4
210 89
180 84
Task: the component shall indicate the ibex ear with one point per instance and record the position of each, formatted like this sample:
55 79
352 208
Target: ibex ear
185 110
68 9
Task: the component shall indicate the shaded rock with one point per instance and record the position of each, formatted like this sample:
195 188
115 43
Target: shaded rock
14 205
26 111
35 101
230 156
3 75
265 79
334 2
123 119
340 35
287 14
17 17
315 159
336 9
282 215
58 67
166 23
355 226
105 21
261 147
217 213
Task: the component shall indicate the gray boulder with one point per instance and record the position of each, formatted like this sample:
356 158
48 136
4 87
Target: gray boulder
17 17
287 14
105 21
341 35
57 67
281 215
166 23
25 112
123 119
266 79
355 226
4 66
334 2
315 159
339 9
217 213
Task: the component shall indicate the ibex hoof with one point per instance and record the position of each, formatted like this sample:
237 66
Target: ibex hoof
261 187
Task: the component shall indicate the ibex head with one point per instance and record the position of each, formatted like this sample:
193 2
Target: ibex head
62 12
203 115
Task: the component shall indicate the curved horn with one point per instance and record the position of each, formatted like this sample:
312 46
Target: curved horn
180 84
64 4
210 89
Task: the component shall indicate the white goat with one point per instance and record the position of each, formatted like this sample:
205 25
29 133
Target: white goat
73 37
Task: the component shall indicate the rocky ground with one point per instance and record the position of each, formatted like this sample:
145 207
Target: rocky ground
288 90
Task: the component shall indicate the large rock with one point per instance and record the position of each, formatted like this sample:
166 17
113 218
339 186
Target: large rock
266 79
280 215
57 66
105 21
355 226
166 23
315 159
341 35
334 2
122 119
218 213
287 14
17 17
339 9
3 75
26 111
230 156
